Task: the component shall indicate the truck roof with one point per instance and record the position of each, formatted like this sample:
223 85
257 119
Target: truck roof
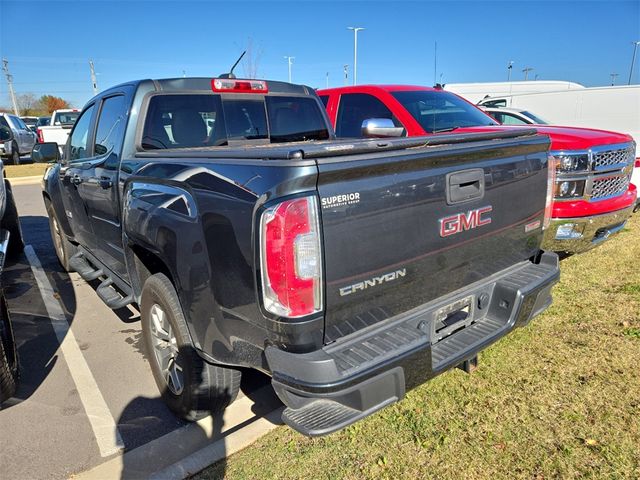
365 88
181 84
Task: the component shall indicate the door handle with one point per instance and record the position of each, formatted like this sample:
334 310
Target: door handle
105 182
76 179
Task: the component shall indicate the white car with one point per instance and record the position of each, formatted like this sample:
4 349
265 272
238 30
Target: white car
514 116
60 125
23 138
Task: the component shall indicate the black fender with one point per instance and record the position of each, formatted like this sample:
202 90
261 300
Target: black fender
162 220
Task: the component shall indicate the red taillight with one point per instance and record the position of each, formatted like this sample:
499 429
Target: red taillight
637 162
40 136
242 86
290 258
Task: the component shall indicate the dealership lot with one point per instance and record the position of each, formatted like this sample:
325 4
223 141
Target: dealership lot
87 399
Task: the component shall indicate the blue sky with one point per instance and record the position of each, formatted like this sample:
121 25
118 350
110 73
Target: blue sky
48 44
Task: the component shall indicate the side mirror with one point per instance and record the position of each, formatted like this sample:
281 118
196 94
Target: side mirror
45 152
380 127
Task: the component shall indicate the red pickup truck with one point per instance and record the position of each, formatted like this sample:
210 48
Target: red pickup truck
593 196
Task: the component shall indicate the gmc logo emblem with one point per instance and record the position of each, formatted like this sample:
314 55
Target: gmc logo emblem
465 221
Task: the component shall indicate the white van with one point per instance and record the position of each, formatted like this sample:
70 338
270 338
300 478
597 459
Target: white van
474 92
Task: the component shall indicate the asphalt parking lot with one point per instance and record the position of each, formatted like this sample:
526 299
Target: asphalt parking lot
87 404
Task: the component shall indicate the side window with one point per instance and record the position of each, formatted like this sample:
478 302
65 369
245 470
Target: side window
354 109
78 142
324 99
17 123
111 124
508 119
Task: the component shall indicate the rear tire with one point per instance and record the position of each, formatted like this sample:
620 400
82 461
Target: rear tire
63 247
191 387
11 222
14 159
8 354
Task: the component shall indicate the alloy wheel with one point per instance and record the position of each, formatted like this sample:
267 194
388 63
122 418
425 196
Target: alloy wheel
165 349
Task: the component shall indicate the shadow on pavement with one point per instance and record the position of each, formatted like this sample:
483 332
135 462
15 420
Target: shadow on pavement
254 385
36 340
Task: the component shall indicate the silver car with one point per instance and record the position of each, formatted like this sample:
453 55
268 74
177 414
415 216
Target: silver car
23 138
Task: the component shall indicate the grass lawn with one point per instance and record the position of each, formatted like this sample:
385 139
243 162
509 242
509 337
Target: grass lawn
25 170
557 399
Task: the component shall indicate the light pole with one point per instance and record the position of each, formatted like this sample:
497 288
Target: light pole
613 78
355 52
633 59
327 83
509 70
346 74
526 71
290 62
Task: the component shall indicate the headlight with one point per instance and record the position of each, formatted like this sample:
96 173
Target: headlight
572 163
567 189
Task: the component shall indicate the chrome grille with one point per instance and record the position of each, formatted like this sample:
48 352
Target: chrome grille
609 187
614 157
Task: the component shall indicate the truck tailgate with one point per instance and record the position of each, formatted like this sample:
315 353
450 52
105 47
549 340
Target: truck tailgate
403 228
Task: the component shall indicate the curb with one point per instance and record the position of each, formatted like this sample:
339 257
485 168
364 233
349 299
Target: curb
25 180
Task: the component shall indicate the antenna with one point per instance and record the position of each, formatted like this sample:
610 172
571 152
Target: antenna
230 74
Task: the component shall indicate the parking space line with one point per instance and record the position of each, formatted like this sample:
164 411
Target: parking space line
102 423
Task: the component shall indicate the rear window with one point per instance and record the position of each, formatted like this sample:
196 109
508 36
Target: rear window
67 118
207 120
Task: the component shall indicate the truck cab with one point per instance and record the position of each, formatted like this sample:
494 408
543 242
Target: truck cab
593 196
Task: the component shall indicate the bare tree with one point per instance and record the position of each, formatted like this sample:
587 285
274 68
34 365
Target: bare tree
251 61
27 104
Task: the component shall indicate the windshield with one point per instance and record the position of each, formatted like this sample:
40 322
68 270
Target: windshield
43 121
536 119
67 118
204 120
438 111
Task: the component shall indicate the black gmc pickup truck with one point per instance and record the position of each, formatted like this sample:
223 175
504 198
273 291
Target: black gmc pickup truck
248 236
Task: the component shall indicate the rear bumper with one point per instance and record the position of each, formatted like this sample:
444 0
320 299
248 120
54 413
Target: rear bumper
330 388
577 235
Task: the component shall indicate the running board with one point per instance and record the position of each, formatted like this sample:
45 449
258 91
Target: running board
112 297
80 264
83 263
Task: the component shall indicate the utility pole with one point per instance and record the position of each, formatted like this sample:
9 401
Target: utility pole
526 71
633 59
613 78
509 70
94 82
290 62
346 74
5 68
435 61
355 52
